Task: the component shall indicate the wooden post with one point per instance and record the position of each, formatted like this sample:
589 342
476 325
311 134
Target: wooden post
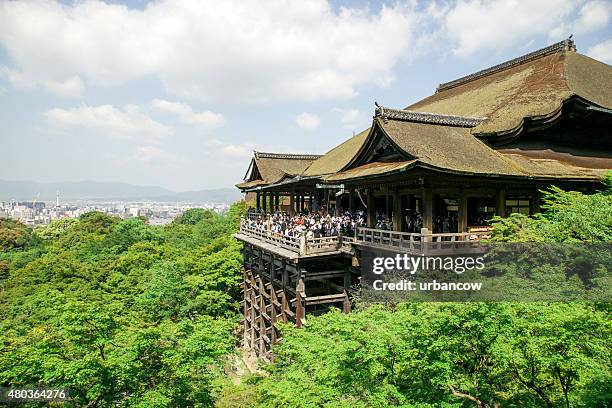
371 210
276 206
397 211
253 313
387 206
300 313
245 306
463 212
352 200
427 208
500 205
292 203
258 201
273 318
346 304
535 202
262 322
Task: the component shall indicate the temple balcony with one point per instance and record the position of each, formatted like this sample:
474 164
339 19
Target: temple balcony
423 243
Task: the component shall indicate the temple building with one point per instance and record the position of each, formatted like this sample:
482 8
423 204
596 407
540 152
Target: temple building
481 145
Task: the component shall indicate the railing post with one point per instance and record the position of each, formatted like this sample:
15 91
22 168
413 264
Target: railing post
425 239
302 245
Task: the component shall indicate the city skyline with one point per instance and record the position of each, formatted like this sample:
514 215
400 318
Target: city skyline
179 98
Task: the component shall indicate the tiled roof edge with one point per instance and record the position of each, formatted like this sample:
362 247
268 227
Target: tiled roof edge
561 46
426 117
265 155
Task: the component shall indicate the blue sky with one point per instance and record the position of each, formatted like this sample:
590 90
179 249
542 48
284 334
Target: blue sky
178 93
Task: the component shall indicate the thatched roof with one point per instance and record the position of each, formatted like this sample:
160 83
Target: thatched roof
338 157
445 147
269 168
533 87
454 149
370 170
444 131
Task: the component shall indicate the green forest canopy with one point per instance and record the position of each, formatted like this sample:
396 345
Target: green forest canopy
127 314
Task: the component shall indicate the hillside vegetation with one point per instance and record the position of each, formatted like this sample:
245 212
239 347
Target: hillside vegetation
127 314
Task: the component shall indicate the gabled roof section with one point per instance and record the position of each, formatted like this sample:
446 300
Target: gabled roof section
561 46
338 157
453 149
268 168
533 87
446 147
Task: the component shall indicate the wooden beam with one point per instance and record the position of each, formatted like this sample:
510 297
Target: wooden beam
397 211
463 212
500 205
427 195
371 210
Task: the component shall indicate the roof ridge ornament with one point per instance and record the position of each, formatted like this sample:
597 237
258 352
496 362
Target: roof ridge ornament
426 117
296 156
562 46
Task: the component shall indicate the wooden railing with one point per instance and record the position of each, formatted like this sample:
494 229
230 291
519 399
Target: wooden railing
300 245
389 239
290 243
424 242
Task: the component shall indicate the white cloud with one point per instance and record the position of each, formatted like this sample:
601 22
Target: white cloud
187 115
594 15
602 52
308 121
232 50
70 88
350 118
129 123
154 154
477 25
237 151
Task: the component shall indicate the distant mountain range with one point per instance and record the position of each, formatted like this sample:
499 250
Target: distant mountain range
84 190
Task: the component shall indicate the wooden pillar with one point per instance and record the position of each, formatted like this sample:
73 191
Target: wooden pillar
300 312
277 202
257 201
292 203
346 304
273 318
397 211
535 206
371 209
427 194
463 212
500 205
262 322
387 206
351 200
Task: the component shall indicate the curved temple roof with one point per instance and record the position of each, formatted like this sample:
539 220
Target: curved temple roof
270 168
443 131
532 86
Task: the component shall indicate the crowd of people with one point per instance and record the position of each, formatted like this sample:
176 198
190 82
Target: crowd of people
317 224
311 224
